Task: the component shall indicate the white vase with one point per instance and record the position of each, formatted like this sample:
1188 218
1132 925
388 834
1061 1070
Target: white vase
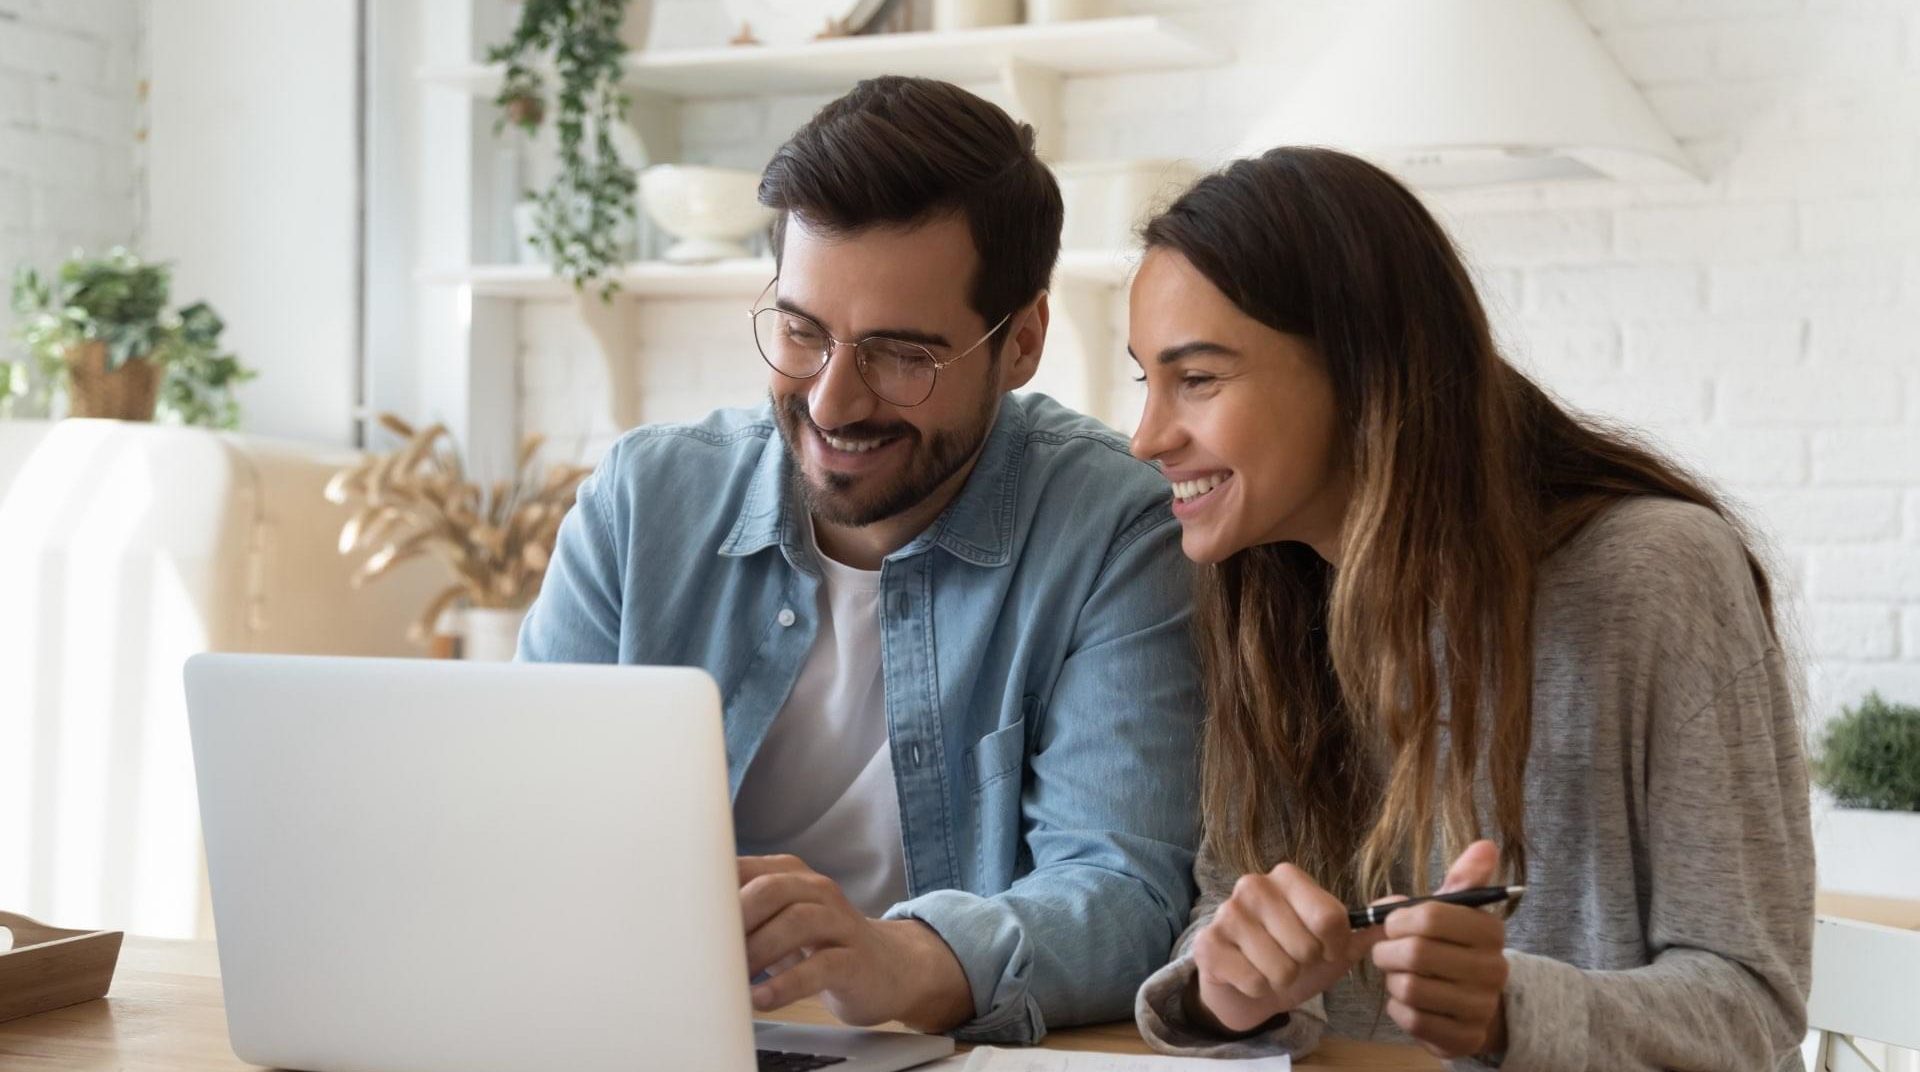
637 23
1041 11
526 224
491 634
973 14
1870 852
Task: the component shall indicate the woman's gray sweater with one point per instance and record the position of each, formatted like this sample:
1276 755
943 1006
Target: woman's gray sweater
1668 920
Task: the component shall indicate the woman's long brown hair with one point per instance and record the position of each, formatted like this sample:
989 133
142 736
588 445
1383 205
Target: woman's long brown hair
1328 688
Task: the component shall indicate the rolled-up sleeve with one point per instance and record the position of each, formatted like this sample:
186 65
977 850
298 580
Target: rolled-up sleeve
1160 1009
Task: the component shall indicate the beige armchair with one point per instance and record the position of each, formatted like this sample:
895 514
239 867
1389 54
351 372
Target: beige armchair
125 548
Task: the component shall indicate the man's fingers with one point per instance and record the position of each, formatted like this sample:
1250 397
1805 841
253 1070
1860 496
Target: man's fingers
785 962
792 930
1476 867
752 867
765 896
821 971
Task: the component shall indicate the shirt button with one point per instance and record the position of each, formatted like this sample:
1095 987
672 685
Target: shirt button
913 754
785 617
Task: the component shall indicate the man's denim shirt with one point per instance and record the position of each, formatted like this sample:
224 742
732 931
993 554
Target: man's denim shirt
1042 693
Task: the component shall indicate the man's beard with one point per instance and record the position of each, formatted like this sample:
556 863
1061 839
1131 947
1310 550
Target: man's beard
930 463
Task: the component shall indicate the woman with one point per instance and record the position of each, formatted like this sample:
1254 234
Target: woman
1434 604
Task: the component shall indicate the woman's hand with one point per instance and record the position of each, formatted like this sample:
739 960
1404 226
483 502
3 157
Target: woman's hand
1445 968
1276 942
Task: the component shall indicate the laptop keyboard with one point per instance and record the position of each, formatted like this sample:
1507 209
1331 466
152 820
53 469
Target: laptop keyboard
781 1061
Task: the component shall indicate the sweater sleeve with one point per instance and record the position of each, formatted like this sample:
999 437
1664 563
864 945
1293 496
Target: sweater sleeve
1729 910
1160 1006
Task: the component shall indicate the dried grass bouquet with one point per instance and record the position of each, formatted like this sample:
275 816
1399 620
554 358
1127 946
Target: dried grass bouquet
417 499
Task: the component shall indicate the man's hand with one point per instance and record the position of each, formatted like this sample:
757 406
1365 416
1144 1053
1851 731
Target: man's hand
1276 942
801 927
1445 967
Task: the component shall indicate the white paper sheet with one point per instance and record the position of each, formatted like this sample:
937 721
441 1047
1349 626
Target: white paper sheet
991 1059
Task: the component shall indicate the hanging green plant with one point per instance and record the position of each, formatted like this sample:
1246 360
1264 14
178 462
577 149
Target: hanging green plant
590 203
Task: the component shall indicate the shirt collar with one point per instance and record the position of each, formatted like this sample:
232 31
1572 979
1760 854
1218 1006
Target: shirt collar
766 514
977 527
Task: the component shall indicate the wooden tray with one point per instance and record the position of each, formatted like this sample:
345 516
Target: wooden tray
50 968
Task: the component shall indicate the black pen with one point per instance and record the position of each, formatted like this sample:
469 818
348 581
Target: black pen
1362 918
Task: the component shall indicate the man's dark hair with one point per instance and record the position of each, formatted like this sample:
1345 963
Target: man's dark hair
898 151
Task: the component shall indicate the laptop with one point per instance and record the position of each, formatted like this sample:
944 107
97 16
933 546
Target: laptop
433 866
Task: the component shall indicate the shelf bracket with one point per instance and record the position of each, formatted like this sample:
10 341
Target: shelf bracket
1034 93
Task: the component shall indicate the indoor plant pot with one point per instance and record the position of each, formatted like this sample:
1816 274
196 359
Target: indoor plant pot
491 634
1867 850
1866 823
102 333
128 393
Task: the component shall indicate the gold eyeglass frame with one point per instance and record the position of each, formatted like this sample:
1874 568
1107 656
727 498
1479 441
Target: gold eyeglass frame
833 346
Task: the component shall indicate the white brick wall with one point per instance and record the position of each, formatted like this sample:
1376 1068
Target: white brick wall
1854 631
69 116
1764 323
1806 320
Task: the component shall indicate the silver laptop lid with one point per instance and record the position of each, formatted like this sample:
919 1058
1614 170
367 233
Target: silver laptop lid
429 866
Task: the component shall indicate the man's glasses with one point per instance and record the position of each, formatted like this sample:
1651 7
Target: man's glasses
898 372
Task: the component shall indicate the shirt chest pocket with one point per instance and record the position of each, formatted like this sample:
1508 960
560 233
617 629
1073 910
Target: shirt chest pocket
999 756
998 760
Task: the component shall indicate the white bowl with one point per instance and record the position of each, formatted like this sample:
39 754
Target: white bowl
712 211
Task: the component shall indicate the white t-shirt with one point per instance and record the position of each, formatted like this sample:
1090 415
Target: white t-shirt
821 786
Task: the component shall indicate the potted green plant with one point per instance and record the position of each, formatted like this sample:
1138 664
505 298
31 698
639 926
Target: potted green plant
587 210
101 328
1868 763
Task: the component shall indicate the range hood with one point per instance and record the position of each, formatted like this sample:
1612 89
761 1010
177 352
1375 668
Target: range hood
1452 93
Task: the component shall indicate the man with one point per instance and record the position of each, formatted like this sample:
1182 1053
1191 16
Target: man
949 624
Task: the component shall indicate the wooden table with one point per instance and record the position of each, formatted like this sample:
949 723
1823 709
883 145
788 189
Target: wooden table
164 1014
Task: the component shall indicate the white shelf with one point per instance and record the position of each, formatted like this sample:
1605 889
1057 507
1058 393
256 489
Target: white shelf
644 279
1093 46
723 279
